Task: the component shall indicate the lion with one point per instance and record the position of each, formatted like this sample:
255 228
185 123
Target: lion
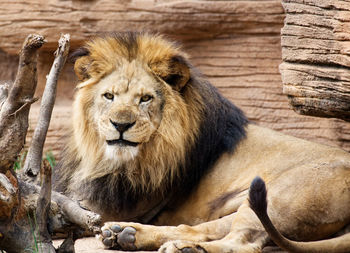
167 160
258 203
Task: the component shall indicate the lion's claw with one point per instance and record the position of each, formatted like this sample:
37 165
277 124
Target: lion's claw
119 238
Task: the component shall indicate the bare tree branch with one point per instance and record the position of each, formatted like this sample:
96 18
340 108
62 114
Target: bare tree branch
68 244
76 214
13 129
4 92
26 210
69 210
42 210
34 156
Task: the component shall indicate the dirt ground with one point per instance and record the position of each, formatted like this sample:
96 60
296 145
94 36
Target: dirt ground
92 245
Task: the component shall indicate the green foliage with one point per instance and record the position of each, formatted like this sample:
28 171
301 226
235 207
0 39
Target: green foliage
35 248
19 163
50 158
17 166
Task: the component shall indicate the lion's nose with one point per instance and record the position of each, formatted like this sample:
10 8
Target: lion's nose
122 127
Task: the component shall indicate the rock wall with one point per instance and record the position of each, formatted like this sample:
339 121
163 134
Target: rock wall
316 57
185 20
236 44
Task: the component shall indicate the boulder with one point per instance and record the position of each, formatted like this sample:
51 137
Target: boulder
316 57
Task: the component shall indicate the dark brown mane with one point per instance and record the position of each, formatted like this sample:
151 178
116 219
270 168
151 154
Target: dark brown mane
221 128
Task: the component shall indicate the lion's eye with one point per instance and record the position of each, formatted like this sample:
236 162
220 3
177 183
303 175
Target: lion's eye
145 98
108 96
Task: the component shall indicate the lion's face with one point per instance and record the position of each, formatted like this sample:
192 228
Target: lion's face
130 115
127 110
142 116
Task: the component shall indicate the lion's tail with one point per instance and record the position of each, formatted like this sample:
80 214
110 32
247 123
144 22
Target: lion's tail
258 203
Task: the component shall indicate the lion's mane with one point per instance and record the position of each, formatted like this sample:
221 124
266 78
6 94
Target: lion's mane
198 125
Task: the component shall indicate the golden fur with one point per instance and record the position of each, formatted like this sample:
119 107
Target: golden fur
189 158
257 201
165 150
161 155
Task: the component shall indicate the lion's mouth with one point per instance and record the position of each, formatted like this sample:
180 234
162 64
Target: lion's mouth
122 142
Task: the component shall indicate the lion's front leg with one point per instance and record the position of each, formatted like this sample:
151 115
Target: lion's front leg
136 236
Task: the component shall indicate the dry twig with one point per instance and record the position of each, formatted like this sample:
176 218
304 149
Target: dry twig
33 162
42 211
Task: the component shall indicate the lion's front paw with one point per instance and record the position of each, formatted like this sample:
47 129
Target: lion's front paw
117 237
181 247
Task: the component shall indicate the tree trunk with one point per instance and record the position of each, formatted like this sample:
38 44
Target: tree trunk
27 210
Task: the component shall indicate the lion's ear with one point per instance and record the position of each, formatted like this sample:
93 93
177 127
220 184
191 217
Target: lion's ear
82 60
178 73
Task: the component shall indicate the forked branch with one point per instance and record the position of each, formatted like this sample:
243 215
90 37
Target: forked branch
15 108
15 103
25 207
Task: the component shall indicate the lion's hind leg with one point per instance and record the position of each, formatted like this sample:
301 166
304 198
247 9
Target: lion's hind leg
258 202
136 236
220 246
247 235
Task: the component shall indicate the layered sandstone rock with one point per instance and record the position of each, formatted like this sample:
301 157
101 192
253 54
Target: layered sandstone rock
316 57
236 44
